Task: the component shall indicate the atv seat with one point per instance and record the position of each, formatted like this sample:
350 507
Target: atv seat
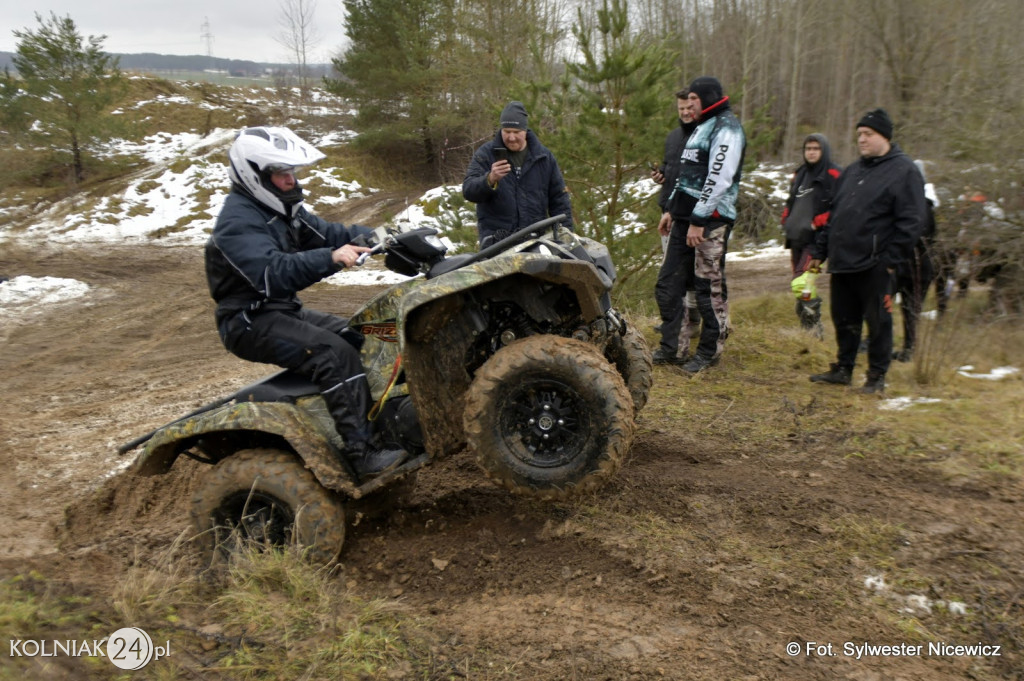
284 386
451 263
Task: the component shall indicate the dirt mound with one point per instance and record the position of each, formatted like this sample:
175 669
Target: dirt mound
129 514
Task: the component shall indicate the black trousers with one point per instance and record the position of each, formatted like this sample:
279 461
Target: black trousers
309 343
675 278
856 298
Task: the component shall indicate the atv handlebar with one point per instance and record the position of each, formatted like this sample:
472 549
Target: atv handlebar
379 248
516 238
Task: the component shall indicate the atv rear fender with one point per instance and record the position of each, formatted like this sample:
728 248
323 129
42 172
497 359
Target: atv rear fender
221 431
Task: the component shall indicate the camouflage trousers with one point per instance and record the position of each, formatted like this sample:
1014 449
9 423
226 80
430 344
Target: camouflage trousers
712 293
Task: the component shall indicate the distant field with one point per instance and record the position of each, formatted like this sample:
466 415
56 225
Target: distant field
208 76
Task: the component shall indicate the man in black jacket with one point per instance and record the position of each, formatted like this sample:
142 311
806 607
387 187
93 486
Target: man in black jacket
514 180
265 248
876 217
675 291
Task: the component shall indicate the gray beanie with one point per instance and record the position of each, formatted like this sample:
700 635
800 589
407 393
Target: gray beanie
514 116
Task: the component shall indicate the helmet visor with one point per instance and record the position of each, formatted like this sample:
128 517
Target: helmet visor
273 168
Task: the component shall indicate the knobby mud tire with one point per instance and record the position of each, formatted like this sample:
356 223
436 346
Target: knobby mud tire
589 417
632 357
267 484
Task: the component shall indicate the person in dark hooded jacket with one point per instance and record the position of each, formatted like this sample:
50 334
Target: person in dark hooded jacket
876 218
807 210
514 180
265 248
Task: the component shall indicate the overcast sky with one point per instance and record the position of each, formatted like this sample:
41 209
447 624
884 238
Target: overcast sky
241 29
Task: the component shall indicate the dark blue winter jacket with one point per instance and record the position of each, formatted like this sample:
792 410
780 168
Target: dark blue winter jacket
258 256
526 195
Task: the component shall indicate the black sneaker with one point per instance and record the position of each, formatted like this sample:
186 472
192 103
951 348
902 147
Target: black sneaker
663 356
836 375
875 385
699 363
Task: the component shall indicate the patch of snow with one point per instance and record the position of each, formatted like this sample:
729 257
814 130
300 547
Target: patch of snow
25 294
770 249
914 604
997 374
901 403
875 583
365 276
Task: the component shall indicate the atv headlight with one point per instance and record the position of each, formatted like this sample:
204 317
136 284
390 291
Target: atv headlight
434 241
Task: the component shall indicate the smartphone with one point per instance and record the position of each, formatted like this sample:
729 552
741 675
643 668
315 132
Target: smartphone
500 154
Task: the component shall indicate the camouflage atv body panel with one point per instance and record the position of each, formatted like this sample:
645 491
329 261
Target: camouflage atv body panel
429 323
306 426
381 320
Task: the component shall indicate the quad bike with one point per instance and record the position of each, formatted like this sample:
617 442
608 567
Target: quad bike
515 351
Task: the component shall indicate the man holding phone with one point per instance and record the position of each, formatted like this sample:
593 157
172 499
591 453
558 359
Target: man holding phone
514 180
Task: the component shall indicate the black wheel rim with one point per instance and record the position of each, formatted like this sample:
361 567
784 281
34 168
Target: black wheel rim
544 422
255 516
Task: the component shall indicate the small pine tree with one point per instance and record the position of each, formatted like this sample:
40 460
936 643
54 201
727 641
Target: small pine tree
65 86
613 114
393 74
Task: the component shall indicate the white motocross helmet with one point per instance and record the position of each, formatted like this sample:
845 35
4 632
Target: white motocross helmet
258 152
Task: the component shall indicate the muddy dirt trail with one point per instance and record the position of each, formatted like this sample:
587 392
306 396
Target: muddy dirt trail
544 598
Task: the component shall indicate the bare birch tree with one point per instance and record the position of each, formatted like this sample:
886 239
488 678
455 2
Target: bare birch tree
300 37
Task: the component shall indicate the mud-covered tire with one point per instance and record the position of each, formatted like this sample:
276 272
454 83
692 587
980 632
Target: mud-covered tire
632 357
267 496
554 386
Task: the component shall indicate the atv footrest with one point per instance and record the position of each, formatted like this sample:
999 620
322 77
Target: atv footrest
389 477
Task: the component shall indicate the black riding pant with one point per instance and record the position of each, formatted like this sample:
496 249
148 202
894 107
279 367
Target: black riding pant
309 343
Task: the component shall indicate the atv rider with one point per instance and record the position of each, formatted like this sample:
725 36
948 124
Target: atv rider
265 248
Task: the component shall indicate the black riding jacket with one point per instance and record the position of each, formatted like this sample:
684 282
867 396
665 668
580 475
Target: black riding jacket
257 257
